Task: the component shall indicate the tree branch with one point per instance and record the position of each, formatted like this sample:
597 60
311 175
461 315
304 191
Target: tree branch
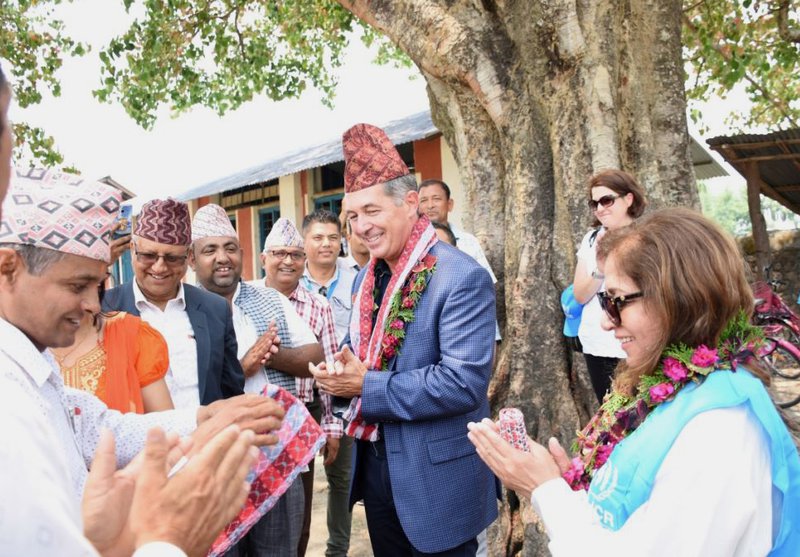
463 51
760 87
788 33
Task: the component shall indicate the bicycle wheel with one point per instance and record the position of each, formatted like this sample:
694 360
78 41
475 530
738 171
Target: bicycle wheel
787 334
788 403
781 361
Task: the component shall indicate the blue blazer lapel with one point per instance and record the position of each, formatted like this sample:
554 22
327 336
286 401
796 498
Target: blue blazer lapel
201 338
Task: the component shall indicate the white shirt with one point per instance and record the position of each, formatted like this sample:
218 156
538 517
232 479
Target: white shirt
43 470
246 336
174 325
712 497
470 245
595 340
299 331
339 295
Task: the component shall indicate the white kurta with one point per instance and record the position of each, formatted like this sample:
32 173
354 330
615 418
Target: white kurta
76 417
44 462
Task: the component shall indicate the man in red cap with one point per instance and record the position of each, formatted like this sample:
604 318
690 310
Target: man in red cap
196 324
417 366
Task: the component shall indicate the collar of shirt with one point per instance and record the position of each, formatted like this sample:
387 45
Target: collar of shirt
458 232
18 347
350 262
236 294
139 299
314 286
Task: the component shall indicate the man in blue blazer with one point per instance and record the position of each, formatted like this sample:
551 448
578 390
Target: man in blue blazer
196 324
417 367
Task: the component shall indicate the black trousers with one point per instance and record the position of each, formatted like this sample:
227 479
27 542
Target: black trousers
385 531
601 371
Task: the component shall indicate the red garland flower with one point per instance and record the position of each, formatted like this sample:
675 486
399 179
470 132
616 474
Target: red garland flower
403 304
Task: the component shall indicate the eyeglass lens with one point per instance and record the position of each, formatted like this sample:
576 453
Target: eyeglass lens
605 202
610 307
295 255
169 258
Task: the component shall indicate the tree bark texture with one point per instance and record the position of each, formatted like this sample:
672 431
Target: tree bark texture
534 97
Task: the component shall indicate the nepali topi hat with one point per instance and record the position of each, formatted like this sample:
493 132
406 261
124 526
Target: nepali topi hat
212 220
370 158
60 211
284 234
165 221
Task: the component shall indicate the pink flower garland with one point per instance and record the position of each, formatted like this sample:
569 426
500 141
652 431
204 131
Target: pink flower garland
403 304
620 415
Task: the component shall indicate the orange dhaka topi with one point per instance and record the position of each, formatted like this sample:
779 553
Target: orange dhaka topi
370 158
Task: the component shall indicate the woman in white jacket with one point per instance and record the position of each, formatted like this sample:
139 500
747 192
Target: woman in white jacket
615 199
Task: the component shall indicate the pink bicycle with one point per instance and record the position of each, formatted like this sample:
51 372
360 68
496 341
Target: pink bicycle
780 354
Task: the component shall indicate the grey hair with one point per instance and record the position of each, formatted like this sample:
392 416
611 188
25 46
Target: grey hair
37 260
397 188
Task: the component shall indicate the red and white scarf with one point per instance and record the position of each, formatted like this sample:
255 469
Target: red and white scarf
366 339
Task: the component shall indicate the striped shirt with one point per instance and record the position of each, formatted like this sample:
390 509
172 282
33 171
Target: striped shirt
316 311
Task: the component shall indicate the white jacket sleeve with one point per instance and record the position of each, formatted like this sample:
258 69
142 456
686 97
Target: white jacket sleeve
711 498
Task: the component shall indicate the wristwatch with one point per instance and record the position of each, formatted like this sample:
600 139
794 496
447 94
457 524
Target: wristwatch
596 274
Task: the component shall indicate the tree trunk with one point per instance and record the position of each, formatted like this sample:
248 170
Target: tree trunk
534 97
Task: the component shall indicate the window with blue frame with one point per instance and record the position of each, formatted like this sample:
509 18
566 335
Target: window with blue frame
266 219
332 203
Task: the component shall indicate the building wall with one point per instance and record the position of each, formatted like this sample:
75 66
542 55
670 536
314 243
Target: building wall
244 227
452 177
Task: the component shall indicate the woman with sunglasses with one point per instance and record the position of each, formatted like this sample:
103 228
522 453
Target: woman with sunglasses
615 199
688 455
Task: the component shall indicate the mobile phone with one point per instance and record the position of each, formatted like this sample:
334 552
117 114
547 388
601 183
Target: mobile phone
125 212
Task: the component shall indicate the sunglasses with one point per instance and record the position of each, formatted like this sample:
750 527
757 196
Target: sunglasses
605 202
613 305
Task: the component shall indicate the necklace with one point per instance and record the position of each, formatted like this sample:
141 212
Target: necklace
620 414
77 344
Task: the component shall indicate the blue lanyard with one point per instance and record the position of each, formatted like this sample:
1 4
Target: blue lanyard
328 290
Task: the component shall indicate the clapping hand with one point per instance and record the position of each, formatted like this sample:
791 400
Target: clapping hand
518 470
345 378
258 413
189 509
260 353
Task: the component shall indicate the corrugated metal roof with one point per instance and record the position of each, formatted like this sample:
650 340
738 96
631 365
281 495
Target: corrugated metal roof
705 165
414 127
778 158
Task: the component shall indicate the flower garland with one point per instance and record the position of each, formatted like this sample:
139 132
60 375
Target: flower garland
401 310
620 415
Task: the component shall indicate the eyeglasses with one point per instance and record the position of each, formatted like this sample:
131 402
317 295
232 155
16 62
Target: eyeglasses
613 306
323 291
282 254
605 202
150 258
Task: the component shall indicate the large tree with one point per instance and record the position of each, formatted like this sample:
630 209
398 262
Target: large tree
532 96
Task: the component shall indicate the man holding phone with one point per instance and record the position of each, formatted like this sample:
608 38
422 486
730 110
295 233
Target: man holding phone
121 232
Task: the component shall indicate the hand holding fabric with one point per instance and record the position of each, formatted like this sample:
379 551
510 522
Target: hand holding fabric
260 414
517 470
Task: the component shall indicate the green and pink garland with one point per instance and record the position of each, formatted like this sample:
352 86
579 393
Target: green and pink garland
620 415
403 305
